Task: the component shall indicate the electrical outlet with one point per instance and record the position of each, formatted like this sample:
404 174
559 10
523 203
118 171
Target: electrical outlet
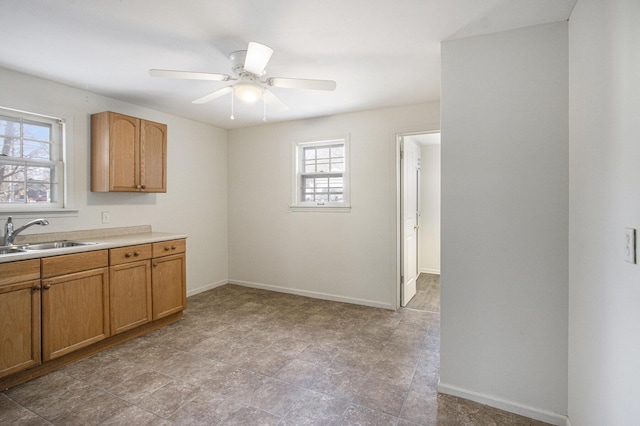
630 245
106 217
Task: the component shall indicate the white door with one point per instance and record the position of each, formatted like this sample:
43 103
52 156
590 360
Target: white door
410 175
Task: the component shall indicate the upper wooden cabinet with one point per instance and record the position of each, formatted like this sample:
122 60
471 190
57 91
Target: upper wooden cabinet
128 154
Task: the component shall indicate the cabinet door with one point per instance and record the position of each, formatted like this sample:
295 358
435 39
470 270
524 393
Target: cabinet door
153 156
75 311
130 295
169 280
124 153
19 326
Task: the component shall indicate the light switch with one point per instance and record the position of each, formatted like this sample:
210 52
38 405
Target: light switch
630 245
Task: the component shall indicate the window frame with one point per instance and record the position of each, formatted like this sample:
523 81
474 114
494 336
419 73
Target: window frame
57 163
299 173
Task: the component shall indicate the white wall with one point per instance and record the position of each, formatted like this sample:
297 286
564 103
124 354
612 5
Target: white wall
196 198
429 239
604 290
505 220
340 256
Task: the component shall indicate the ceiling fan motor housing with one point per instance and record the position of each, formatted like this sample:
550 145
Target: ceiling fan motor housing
237 59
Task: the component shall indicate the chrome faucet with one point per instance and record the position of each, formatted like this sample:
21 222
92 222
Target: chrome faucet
10 234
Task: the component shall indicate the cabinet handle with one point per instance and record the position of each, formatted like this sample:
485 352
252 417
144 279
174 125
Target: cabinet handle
144 186
136 254
155 264
128 254
36 288
173 247
138 186
167 248
47 286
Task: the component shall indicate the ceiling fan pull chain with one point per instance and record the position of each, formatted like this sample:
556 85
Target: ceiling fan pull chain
233 93
264 109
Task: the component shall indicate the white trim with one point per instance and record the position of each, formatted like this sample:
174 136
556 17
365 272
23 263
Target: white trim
325 209
503 404
430 271
37 213
206 287
313 294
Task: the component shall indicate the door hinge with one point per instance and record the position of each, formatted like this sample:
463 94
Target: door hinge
401 154
401 279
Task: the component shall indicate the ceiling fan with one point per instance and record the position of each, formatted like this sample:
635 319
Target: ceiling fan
248 82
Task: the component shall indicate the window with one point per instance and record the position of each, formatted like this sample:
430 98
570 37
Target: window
31 166
322 174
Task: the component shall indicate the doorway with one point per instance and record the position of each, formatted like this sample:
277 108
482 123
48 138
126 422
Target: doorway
419 220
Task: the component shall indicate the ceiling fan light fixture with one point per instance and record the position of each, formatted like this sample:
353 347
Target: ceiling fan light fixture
248 92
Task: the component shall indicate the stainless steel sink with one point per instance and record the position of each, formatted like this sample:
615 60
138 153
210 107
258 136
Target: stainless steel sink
10 250
56 245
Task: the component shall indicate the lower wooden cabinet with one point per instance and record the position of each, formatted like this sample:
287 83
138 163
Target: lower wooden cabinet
168 278
19 316
130 287
75 306
52 307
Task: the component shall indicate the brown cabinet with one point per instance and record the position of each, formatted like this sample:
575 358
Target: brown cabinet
19 316
130 287
58 309
169 278
128 154
75 302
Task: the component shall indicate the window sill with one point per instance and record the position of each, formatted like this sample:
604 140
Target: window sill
325 209
36 213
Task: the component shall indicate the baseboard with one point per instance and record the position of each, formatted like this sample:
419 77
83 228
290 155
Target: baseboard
206 287
430 271
503 404
313 294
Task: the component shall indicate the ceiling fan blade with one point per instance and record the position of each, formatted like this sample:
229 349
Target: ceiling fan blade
213 95
273 102
258 56
189 75
301 83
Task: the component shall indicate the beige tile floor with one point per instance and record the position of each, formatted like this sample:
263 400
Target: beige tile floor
244 356
427 296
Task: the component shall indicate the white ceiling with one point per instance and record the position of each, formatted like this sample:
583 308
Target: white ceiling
381 53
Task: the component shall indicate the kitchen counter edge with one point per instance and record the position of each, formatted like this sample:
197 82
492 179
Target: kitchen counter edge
102 243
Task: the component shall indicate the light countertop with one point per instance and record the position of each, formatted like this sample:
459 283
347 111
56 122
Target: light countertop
103 240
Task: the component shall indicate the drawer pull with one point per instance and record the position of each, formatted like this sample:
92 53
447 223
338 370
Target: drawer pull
167 248
173 247
136 253
47 286
128 254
